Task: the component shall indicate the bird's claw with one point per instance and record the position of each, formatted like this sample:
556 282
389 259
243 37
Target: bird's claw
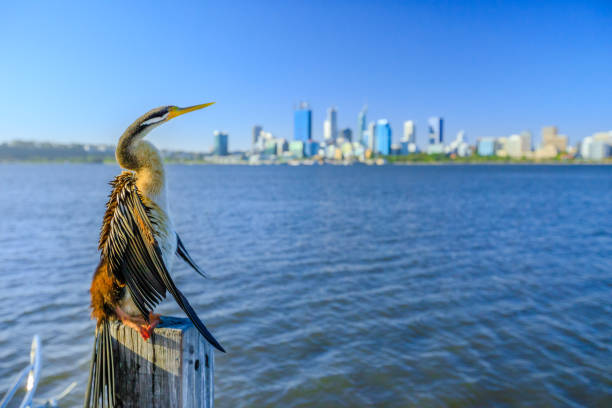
139 324
147 330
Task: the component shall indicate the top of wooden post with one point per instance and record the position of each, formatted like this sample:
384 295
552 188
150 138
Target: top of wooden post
174 368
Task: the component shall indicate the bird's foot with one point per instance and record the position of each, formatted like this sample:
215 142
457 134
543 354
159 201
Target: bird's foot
147 330
138 323
154 320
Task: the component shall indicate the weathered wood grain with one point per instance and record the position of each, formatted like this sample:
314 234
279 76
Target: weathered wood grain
174 368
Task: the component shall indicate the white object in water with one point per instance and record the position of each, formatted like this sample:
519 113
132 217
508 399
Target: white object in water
33 373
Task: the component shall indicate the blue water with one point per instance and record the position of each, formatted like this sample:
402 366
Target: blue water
342 286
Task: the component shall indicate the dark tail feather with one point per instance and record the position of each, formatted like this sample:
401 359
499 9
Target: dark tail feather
191 314
182 252
101 382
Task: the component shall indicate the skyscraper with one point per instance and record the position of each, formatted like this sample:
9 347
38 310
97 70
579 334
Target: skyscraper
514 146
281 146
383 137
256 131
361 126
327 131
221 141
311 148
585 147
296 148
346 134
436 130
550 137
330 125
486 146
302 123
372 136
549 134
525 141
409 132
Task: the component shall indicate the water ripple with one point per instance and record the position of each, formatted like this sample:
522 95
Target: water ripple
338 286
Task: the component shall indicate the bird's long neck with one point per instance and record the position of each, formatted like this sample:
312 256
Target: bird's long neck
144 159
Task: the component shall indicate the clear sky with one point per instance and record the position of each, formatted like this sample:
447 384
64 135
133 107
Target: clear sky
82 72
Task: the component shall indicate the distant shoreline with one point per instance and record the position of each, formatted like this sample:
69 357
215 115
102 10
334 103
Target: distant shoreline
44 152
408 163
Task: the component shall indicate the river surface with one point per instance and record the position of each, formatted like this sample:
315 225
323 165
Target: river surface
390 286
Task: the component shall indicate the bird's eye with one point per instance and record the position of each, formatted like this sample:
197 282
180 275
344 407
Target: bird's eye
154 120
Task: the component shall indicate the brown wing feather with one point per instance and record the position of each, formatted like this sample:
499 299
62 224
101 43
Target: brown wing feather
128 245
118 183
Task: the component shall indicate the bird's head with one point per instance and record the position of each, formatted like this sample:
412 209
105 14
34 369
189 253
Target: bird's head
130 141
157 116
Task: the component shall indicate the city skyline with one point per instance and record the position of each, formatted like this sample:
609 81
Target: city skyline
435 135
513 67
376 140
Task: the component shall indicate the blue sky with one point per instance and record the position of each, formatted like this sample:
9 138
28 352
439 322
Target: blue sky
82 72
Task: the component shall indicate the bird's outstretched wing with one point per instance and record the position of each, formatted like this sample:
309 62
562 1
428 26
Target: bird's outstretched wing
134 257
182 252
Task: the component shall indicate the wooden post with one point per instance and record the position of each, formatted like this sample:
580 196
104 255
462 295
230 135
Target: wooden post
174 368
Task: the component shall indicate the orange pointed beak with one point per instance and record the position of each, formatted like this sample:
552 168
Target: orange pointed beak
175 111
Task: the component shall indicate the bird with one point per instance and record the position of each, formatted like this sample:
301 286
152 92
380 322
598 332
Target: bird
138 246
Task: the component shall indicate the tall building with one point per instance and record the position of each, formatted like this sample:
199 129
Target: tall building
302 123
281 146
409 132
330 125
372 136
526 141
501 146
549 134
436 130
514 146
486 146
459 146
361 126
383 137
220 143
597 146
256 131
311 148
585 147
599 150
346 134
263 140
296 148
270 147
327 137
551 138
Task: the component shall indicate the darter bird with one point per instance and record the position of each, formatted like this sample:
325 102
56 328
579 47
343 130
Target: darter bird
138 245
